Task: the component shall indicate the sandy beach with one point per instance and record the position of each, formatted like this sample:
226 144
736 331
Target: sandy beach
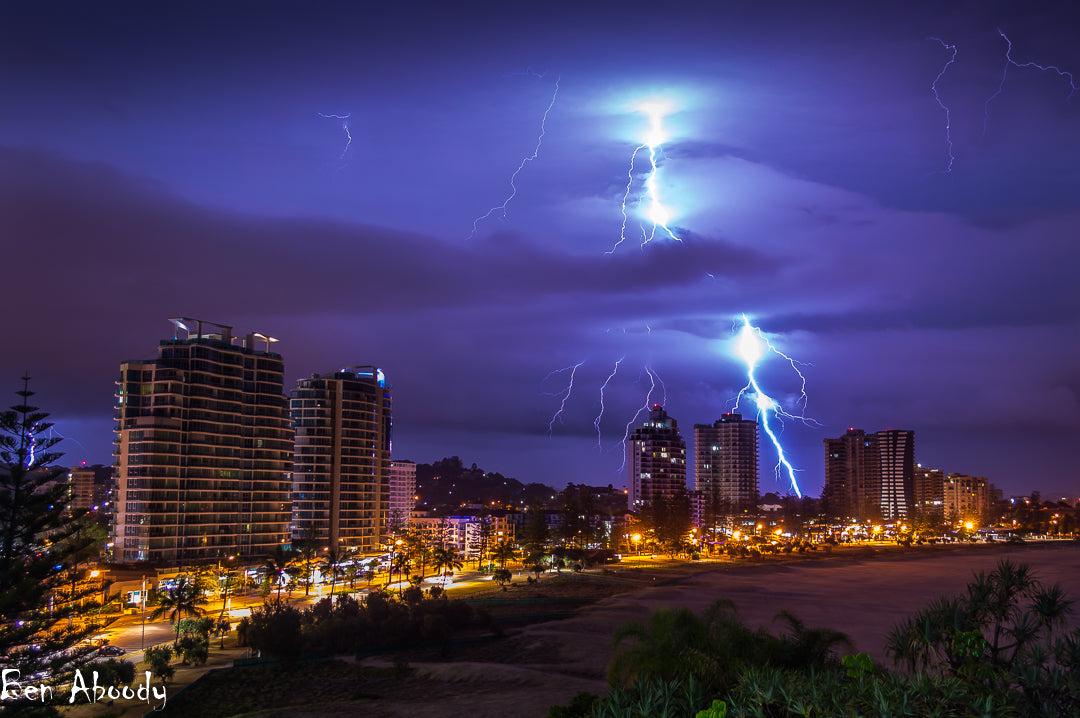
862 596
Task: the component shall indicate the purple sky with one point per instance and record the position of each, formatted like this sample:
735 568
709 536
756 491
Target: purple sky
160 161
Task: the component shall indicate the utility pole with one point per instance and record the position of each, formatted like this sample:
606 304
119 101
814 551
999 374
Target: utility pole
142 594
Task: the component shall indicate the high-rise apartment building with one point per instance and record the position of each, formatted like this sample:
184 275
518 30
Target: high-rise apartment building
726 465
203 449
852 477
402 493
966 498
657 460
341 461
928 494
896 453
81 488
869 477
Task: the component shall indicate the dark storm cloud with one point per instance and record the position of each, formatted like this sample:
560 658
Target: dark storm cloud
141 253
108 223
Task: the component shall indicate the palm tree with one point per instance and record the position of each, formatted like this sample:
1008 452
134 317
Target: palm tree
445 559
810 646
504 552
276 564
331 564
400 565
535 562
227 574
182 600
673 643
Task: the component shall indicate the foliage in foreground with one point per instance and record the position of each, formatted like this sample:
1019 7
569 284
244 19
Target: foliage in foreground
1004 636
998 651
284 631
46 604
714 648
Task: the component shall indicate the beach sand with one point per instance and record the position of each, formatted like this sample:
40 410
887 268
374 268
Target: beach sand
862 596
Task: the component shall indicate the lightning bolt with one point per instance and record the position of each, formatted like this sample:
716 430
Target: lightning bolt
942 105
33 450
654 211
344 128
653 378
1005 71
54 433
501 208
564 394
596 422
751 346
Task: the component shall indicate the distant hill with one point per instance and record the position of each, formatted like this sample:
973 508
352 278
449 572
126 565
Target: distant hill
447 485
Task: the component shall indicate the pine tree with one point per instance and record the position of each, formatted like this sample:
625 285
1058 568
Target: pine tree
42 551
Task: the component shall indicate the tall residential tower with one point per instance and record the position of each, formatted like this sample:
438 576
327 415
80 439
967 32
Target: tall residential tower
870 477
726 465
341 464
657 460
203 449
402 494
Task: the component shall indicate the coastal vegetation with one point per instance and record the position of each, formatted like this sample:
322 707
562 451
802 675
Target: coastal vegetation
1001 648
344 625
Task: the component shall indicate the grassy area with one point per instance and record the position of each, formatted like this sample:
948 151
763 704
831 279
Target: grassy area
233 691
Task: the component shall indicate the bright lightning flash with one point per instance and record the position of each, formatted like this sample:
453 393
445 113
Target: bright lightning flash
32 453
344 128
501 208
653 210
751 347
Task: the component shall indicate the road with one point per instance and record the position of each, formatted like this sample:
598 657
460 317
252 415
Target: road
128 632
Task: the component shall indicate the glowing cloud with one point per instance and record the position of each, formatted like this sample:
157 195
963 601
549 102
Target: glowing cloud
652 209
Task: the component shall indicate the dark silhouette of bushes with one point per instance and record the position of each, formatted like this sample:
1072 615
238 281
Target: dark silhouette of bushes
346 624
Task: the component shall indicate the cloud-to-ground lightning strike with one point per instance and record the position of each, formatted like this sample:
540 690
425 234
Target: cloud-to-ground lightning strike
600 416
1067 76
942 105
654 210
653 378
751 346
501 208
344 128
564 394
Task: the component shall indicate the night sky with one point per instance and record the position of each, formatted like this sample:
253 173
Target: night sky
170 159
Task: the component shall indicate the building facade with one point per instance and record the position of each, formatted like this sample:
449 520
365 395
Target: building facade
896 454
869 477
402 493
966 498
852 477
472 537
81 488
341 459
203 449
657 460
726 466
928 492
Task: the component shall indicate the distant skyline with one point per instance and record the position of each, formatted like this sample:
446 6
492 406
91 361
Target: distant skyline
887 198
